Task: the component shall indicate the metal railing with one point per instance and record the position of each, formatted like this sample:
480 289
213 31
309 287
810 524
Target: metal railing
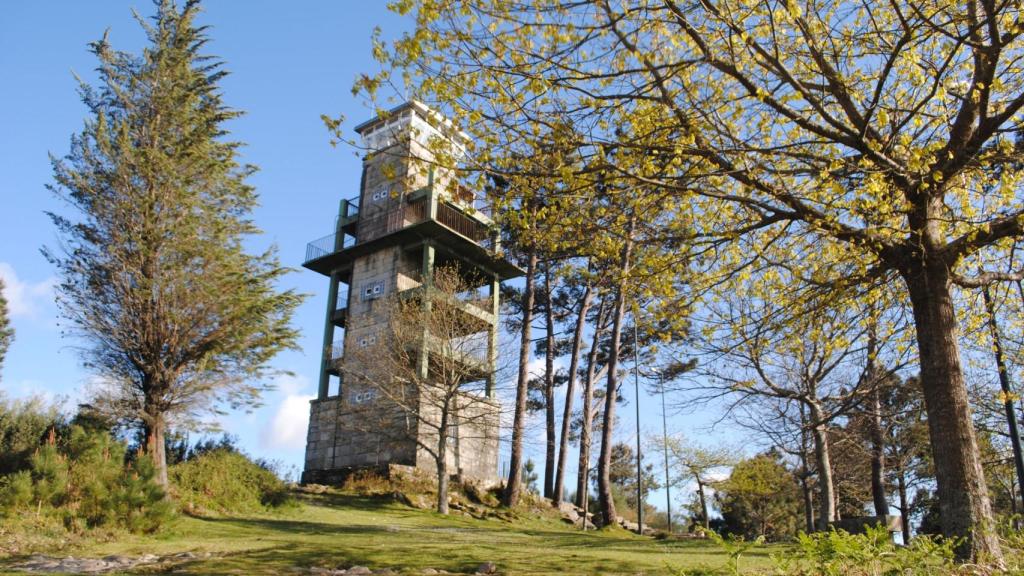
341 302
337 350
469 348
387 222
328 245
350 207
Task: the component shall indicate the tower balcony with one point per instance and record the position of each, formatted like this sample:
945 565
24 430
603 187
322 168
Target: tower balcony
450 226
468 351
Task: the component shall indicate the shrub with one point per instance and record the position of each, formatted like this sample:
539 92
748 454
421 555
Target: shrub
837 552
85 482
15 492
133 503
23 426
225 481
367 483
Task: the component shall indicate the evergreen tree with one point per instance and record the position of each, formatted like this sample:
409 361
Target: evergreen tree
529 476
760 498
6 332
622 474
178 319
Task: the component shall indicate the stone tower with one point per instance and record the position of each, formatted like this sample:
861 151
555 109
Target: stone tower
408 219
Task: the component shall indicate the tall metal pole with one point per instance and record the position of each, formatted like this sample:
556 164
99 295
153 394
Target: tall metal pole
639 465
1004 384
664 444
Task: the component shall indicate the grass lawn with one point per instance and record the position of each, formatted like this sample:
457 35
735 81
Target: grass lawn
333 531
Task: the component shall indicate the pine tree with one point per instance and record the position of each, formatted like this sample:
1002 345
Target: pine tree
178 319
6 332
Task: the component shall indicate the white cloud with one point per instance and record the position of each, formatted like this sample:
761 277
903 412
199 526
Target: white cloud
25 298
29 388
290 384
536 366
287 427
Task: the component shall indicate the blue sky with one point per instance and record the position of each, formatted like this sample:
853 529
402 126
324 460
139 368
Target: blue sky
289 64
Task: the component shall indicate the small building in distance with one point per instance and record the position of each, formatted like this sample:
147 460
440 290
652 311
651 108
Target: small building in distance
408 218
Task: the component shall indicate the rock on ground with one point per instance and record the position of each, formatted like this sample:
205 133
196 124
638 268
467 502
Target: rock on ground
72 565
487 568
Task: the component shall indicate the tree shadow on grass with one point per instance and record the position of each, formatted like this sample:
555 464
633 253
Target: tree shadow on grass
379 546
279 559
348 501
287 527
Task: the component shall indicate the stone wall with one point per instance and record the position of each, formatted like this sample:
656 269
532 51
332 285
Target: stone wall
346 434
473 452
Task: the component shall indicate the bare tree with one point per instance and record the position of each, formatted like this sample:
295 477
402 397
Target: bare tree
803 376
423 378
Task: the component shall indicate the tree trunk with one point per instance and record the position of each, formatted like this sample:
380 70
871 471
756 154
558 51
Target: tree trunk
611 391
514 485
549 388
703 504
805 472
964 506
901 486
826 488
805 487
442 484
878 495
873 378
441 459
570 391
156 446
1008 399
587 426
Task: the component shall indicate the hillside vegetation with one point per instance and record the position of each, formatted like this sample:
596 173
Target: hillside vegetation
335 530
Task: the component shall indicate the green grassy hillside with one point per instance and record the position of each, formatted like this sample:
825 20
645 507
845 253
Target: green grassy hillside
338 531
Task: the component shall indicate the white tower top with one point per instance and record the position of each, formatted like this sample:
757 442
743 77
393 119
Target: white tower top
415 120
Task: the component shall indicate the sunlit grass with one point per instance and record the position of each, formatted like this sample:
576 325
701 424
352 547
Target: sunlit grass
335 531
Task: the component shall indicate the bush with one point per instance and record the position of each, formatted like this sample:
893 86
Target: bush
15 492
226 481
85 482
23 427
837 552
367 483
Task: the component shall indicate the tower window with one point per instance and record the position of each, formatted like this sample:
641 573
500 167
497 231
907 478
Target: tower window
371 290
383 192
361 397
